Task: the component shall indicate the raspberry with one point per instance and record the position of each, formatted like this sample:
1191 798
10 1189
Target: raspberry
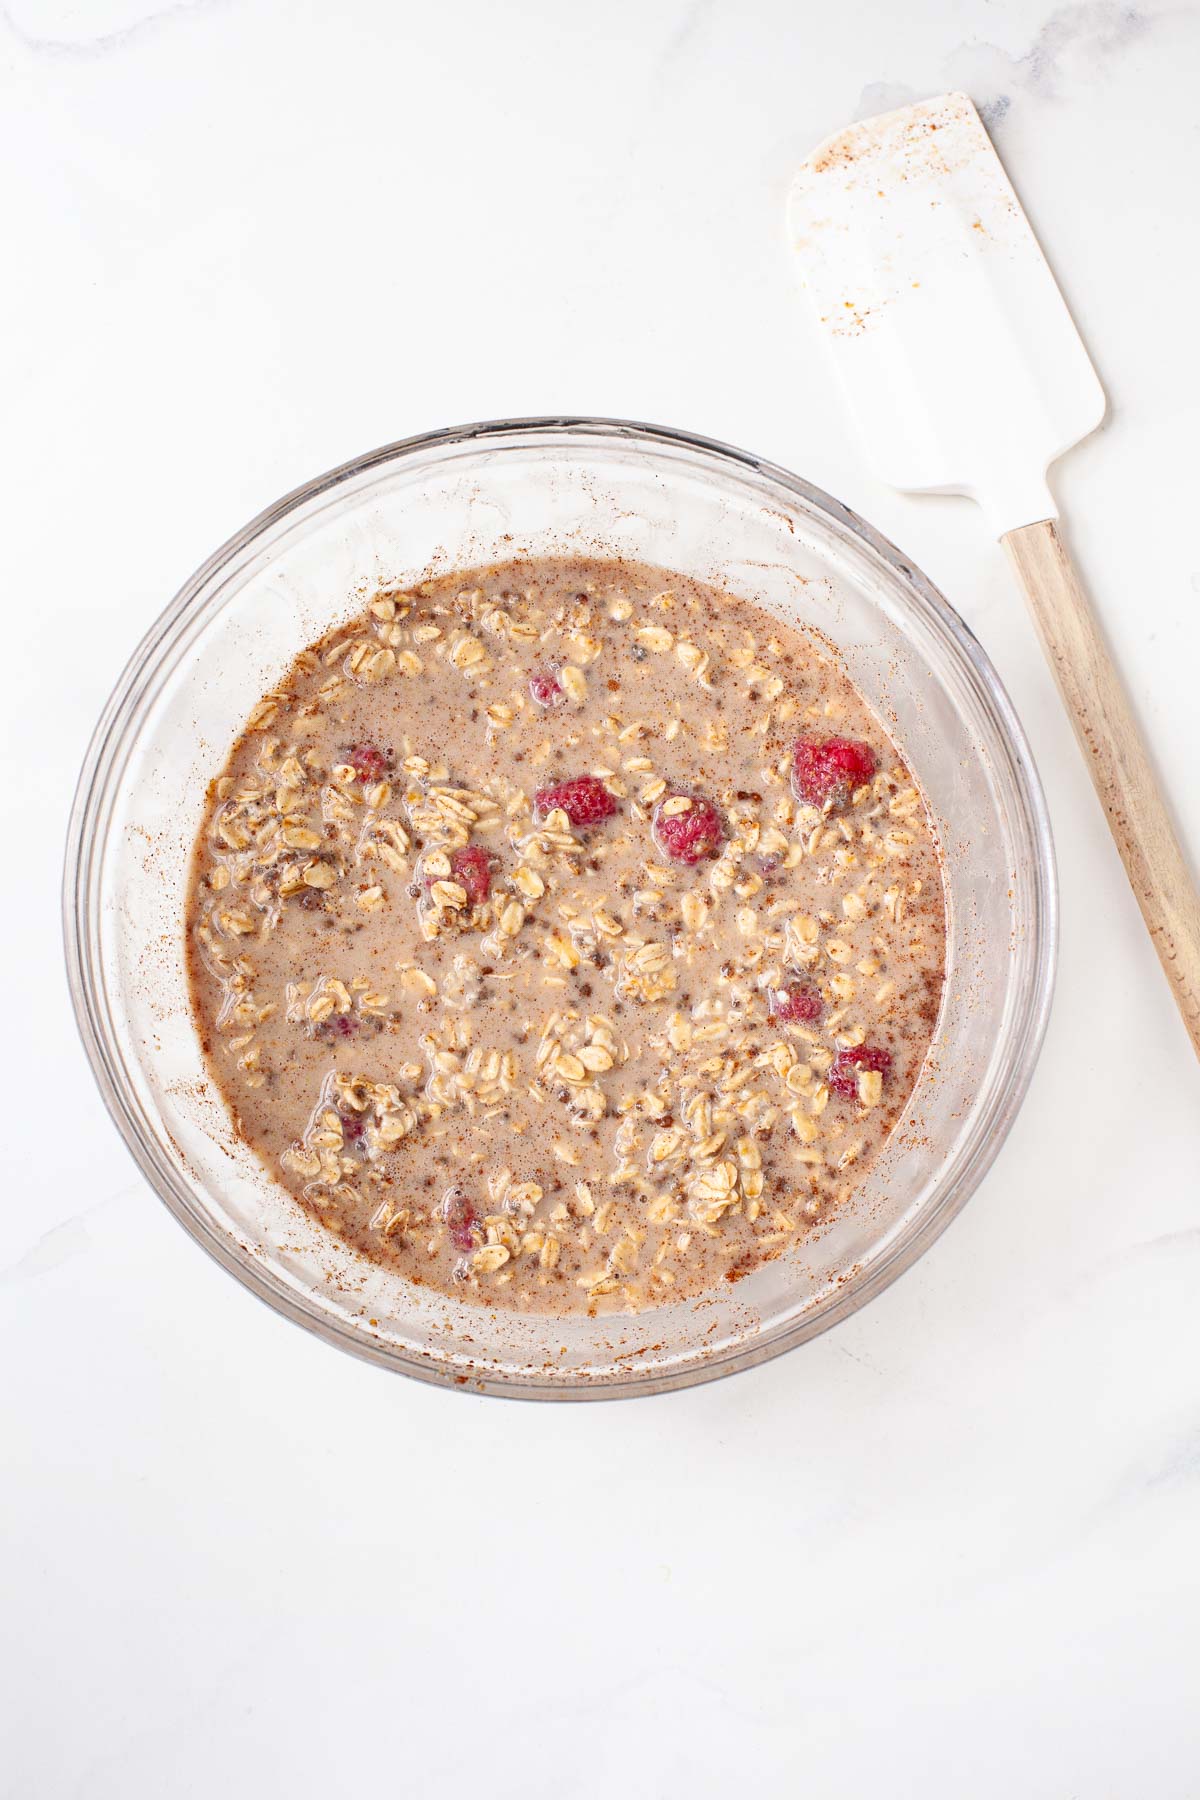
586 800
368 763
472 869
688 837
828 770
461 1219
338 1025
545 687
796 1002
843 1076
353 1126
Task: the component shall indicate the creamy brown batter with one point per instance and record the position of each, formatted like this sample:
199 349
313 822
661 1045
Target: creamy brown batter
567 935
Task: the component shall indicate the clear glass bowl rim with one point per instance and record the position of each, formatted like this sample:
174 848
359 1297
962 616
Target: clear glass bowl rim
115 738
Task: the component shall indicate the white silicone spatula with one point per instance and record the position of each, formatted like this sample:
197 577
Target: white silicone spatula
965 375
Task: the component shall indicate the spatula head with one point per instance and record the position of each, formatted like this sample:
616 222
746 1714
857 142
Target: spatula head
960 362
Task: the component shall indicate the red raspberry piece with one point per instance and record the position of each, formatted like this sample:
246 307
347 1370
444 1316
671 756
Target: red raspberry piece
368 763
353 1126
830 769
689 837
586 800
338 1025
461 1219
797 1002
472 869
843 1076
545 687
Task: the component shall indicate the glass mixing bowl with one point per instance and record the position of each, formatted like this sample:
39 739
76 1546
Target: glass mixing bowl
473 495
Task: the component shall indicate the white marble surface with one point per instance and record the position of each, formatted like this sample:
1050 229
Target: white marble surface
949 1548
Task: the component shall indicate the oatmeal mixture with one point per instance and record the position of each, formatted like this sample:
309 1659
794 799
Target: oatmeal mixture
566 935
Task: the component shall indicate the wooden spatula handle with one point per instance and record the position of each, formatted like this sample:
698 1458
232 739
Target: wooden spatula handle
1116 755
